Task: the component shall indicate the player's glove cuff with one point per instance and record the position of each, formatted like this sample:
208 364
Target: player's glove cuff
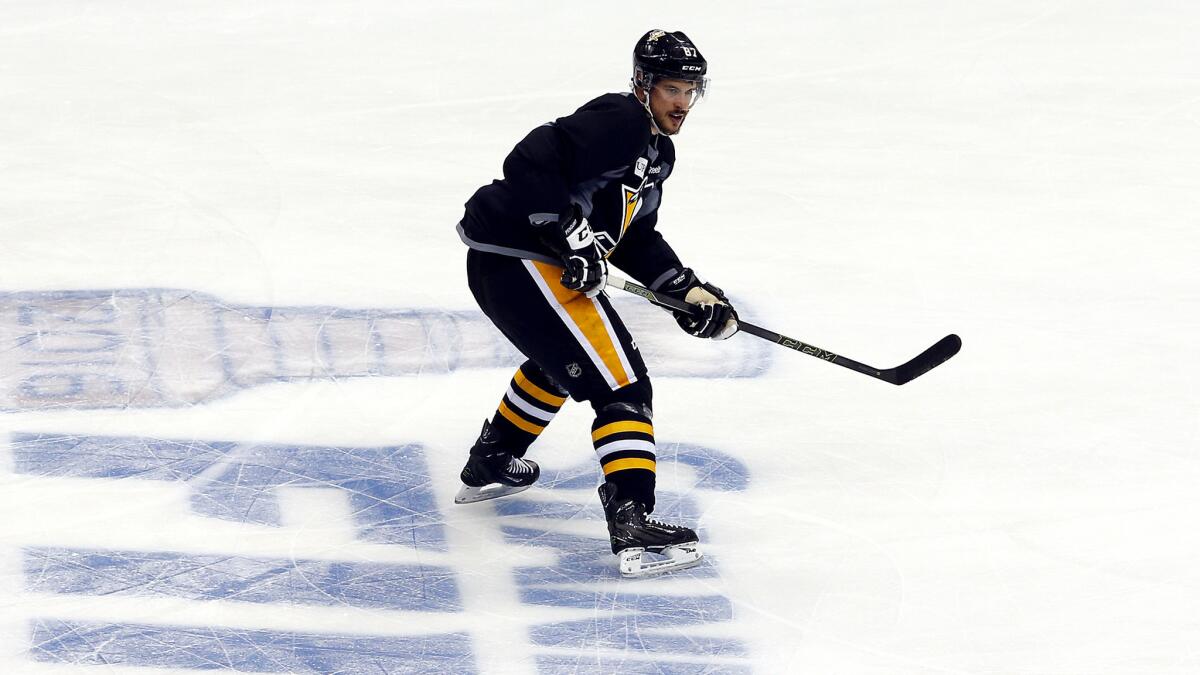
584 274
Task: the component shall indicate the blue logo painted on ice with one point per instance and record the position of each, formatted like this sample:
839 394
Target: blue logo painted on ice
153 348
391 503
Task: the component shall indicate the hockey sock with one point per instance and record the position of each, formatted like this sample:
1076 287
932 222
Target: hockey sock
624 442
527 407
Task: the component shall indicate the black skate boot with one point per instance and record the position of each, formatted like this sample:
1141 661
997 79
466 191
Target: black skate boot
493 472
633 532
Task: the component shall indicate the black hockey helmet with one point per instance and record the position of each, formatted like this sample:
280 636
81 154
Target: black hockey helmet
667 54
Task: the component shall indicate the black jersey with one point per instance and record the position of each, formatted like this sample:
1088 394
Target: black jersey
602 157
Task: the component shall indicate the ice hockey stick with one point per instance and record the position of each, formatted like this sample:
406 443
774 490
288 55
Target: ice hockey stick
924 362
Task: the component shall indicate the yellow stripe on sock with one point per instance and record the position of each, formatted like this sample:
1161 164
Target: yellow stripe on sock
617 427
520 422
537 392
628 463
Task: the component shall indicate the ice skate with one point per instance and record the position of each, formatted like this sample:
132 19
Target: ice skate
633 533
492 472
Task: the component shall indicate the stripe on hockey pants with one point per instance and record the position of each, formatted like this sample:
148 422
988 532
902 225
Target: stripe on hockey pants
588 322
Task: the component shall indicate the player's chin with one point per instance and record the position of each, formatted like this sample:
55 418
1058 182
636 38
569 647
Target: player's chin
675 121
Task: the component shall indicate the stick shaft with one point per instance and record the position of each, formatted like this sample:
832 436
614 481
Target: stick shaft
923 363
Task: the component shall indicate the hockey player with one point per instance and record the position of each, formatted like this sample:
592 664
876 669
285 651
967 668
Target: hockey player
577 194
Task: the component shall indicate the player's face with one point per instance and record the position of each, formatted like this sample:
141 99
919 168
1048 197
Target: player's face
670 102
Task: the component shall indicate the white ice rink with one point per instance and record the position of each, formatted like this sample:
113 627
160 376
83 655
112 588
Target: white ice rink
240 366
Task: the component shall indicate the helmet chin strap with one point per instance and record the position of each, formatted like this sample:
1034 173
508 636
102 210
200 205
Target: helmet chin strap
646 105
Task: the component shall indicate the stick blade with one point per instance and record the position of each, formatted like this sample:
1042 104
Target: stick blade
924 362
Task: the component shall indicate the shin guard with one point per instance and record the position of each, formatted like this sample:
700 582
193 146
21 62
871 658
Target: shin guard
527 407
624 442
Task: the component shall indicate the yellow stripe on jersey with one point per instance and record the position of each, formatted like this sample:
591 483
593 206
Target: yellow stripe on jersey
587 318
537 392
632 201
618 427
518 421
628 463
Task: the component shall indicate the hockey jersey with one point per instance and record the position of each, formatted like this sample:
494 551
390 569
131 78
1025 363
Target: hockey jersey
602 157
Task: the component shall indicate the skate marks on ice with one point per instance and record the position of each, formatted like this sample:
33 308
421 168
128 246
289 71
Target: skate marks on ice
386 501
151 348
372 585
634 622
207 649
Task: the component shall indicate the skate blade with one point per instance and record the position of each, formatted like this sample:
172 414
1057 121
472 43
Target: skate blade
470 495
634 566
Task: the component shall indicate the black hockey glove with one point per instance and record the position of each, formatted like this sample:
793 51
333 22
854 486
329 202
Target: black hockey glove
584 267
713 317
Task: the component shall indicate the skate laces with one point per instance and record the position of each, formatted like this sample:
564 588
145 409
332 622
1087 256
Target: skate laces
652 520
655 521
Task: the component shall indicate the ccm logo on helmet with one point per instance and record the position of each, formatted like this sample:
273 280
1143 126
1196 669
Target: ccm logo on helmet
696 68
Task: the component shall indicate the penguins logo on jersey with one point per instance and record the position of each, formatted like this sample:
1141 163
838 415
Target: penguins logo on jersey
633 204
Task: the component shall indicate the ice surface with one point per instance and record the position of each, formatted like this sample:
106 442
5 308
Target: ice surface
240 366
